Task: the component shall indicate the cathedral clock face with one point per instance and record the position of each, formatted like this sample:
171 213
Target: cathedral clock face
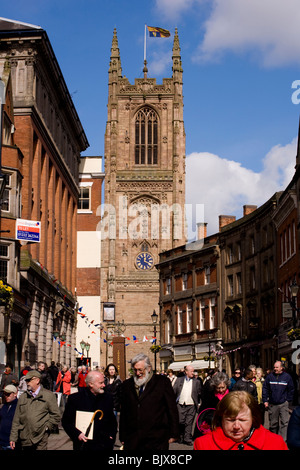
144 261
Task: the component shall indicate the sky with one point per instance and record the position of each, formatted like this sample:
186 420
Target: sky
241 76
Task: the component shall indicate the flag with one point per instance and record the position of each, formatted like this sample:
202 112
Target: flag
155 32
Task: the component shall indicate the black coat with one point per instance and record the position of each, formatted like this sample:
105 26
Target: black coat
209 402
7 413
149 421
246 386
104 429
114 389
293 430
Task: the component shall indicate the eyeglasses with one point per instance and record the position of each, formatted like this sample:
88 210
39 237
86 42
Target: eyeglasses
139 370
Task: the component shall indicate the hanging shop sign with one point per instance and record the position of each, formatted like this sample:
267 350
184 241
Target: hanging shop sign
28 230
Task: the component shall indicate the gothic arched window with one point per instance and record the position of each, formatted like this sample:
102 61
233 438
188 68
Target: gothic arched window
146 140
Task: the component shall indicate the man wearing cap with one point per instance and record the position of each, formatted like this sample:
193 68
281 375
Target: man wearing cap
36 415
6 415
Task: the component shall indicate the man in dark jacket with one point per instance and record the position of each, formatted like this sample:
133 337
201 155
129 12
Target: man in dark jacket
278 391
148 417
246 384
7 412
46 380
188 394
91 405
293 430
53 371
8 377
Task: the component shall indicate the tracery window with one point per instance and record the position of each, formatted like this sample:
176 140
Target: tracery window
146 140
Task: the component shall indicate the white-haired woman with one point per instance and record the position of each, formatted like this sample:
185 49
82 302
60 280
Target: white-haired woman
213 391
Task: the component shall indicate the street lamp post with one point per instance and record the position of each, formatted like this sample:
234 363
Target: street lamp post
294 288
154 318
82 345
87 347
119 328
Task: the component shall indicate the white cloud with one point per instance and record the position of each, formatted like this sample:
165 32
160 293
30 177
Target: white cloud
224 186
159 63
268 28
172 9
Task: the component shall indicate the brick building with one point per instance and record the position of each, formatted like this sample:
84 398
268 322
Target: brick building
49 137
190 316
144 196
248 287
219 300
286 220
11 322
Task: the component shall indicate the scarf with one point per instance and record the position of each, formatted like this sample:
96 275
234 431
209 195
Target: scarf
221 395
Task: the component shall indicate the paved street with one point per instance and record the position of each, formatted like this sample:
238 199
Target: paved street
62 442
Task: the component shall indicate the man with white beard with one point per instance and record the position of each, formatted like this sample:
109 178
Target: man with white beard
91 405
149 416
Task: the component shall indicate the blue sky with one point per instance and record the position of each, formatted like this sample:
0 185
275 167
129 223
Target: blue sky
240 59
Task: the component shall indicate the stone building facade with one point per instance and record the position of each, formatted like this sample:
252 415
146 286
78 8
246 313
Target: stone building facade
50 137
144 196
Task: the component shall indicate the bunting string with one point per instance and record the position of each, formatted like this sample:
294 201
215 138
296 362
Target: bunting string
90 323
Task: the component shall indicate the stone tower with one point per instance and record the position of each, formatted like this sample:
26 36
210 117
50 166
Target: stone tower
144 198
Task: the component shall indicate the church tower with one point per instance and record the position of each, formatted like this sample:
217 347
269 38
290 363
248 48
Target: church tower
144 198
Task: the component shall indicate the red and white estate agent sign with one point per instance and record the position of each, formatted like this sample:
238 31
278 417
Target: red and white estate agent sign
28 230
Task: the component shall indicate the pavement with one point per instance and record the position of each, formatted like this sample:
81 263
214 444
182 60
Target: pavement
61 441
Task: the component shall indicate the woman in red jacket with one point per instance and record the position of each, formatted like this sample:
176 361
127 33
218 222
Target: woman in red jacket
237 426
63 384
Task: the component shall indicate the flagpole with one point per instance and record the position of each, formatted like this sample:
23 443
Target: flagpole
145 38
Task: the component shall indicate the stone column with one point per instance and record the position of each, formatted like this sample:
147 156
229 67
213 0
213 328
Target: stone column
34 330
49 334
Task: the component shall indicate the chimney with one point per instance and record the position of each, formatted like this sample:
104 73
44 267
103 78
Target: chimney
247 209
225 220
201 230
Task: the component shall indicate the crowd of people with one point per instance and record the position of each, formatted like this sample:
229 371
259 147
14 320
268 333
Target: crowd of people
208 410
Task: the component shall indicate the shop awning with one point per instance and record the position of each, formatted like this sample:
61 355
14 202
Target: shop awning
178 365
201 364
198 365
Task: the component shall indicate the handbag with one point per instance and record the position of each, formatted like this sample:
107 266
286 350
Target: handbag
204 421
